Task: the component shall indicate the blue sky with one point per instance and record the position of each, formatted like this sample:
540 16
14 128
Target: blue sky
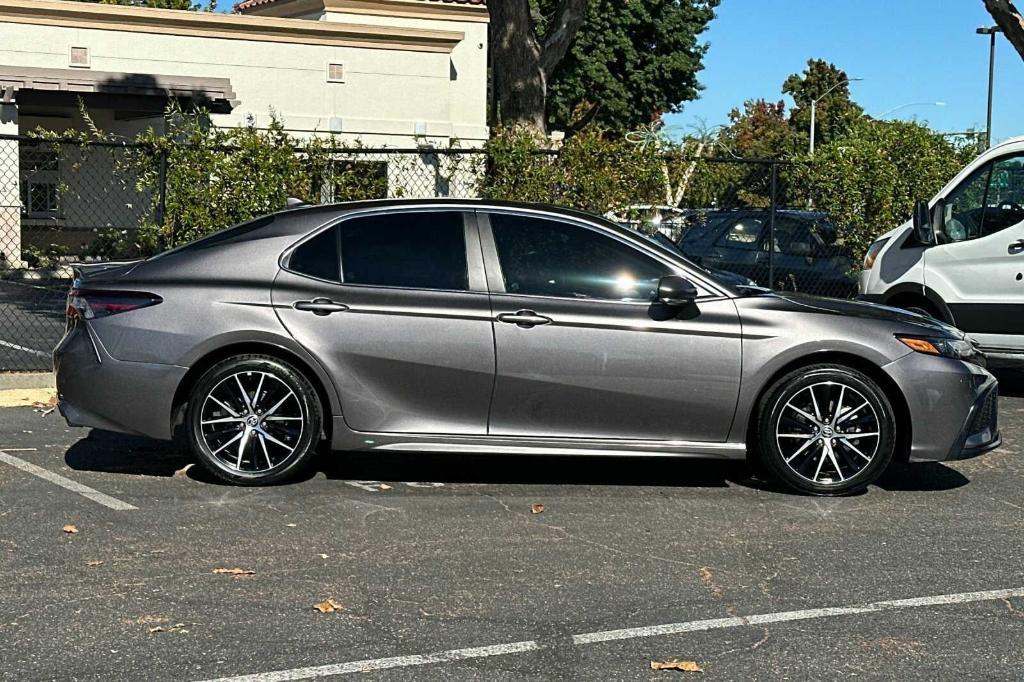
905 50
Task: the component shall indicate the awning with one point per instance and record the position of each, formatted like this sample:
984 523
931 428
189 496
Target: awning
128 91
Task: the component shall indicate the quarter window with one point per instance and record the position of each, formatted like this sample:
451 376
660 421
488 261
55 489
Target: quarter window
318 257
550 258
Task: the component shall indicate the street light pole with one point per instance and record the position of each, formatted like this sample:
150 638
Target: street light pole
991 32
910 104
814 106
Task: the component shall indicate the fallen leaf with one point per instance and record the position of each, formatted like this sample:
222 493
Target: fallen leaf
177 627
291 525
676 664
385 486
183 471
95 562
234 571
328 606
537 508
70 528
323 556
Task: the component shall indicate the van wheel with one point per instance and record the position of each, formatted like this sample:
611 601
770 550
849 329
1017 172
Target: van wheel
254 420
826 430
917 310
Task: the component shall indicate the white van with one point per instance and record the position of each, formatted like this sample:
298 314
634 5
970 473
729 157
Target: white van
961 258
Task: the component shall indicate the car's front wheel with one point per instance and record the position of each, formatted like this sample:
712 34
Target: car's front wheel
826 430
254 420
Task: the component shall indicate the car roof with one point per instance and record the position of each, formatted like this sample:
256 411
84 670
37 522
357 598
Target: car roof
302 219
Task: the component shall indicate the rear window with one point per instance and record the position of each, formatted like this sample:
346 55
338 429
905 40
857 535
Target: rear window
223 237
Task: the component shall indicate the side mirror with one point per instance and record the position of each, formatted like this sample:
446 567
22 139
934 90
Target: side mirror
676 291
923 226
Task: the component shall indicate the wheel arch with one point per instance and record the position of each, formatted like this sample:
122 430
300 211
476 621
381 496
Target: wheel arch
901 410
918 293
212 357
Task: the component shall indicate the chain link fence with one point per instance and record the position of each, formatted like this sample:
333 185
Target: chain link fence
66 201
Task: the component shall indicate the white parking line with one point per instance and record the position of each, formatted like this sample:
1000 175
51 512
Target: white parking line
67 483
785 616
24 349
385 663
627 633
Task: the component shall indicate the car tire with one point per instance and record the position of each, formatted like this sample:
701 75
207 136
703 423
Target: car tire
918 310
254 420
826 430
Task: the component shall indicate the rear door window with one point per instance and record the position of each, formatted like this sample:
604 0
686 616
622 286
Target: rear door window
745 233
414 249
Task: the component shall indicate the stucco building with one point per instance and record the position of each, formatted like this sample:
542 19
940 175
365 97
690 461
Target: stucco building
388 73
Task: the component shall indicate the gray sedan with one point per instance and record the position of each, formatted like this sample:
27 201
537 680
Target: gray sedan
503 328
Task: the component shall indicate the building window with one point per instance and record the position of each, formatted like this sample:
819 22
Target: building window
39 169
79 56
335 73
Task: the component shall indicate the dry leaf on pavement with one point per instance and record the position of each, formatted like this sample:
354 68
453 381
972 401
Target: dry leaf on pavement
234 571
537 508
94 562
183 471
177 627
70 528
676 664
385 486
328 606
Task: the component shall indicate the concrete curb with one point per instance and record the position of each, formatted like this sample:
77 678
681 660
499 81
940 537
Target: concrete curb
22 389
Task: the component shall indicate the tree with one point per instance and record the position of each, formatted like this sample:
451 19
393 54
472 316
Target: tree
630 62
1010 20
523 58
835 113
869 179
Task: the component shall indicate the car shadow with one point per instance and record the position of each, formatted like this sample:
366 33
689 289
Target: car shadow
107 452
1011 382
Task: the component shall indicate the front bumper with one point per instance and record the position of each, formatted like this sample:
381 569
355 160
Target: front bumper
99 391
953 407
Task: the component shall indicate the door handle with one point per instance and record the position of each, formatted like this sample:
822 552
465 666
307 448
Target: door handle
320 306
523 318
1016 247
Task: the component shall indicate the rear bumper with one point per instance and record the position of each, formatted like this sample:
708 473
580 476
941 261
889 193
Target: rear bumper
953 407
98 391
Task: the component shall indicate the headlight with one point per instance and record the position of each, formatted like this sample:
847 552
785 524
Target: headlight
873 251
957 349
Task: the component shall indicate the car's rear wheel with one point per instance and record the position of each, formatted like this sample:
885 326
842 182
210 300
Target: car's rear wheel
826 430
254 420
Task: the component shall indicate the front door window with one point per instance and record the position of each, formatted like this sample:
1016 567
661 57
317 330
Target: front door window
541 257
990 200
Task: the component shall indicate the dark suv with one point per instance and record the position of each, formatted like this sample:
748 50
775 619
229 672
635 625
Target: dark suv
806 256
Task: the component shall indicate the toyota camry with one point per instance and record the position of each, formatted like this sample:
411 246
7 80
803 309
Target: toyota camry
488 327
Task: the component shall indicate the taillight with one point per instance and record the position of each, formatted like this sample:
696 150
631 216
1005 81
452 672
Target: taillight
90 304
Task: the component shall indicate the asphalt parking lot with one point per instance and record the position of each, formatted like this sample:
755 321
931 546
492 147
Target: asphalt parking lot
438 567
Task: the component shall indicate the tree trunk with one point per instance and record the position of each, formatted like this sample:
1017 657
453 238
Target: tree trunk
1009 19
521 65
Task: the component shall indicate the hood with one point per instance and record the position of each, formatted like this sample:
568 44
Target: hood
813 304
